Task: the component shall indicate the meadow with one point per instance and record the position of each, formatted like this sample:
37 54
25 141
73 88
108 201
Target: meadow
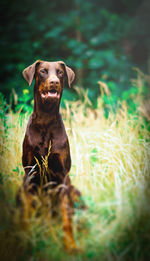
110 166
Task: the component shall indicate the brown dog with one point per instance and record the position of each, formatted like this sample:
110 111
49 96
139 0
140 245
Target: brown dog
46 127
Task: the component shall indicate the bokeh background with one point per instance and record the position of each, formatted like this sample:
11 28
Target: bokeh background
106 114
99 39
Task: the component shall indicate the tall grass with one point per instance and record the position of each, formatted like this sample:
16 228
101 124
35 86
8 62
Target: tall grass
110 166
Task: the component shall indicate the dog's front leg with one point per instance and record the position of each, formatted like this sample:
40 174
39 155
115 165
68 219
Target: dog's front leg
66 212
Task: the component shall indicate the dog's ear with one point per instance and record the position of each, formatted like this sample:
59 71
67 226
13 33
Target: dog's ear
69 72
29 72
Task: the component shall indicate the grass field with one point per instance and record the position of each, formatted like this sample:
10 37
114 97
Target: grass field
110 166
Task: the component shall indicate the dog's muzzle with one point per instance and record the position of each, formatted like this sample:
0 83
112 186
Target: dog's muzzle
52 88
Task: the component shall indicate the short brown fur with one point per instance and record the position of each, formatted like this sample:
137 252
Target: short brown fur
45 126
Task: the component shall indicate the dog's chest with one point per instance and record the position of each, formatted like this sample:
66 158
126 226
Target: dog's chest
39 138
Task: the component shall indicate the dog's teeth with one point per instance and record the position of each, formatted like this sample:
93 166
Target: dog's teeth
52 94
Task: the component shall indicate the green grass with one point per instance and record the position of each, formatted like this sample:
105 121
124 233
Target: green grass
110 166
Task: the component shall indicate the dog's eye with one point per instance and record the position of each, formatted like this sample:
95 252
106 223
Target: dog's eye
60 73
43 71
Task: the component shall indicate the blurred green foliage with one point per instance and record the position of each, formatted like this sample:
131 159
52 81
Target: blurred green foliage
3 109
87 35
25 102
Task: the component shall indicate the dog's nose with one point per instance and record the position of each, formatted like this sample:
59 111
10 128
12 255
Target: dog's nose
54 81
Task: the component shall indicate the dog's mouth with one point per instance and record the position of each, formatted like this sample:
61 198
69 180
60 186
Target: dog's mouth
50 94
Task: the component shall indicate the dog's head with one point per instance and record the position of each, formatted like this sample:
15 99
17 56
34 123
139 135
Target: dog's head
49 80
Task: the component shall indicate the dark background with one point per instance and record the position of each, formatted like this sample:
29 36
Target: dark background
99 39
